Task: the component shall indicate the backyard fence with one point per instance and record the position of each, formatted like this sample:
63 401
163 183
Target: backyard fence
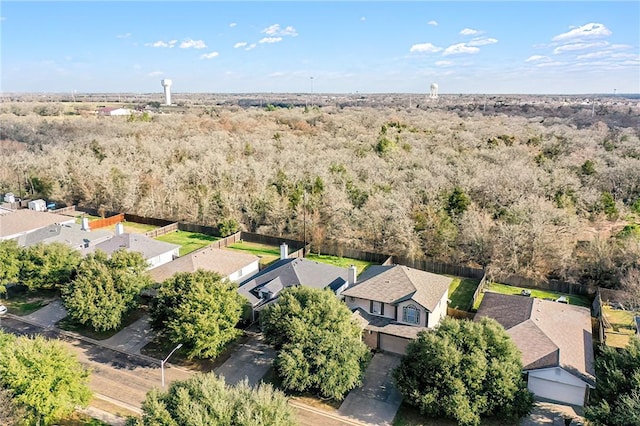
440 268
64 210
342 251
479 290
158 232
271 241
227 241
201 229
551 285
107 221
457 313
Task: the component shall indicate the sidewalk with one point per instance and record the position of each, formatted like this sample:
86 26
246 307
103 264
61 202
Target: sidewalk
132 338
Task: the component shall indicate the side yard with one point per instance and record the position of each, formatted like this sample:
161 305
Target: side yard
619 326
188 241
572 299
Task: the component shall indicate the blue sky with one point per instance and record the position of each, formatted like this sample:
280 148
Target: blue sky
325 47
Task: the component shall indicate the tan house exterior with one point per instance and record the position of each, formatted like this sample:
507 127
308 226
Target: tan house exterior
394 303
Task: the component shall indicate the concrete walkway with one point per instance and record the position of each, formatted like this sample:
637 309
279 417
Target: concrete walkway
377 401
49 315
252 360
132 338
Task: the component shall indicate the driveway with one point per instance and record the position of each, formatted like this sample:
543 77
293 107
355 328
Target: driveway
377 400
132 338
549 413
252 360
49 315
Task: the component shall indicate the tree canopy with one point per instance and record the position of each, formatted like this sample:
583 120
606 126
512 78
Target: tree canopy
48 265
319 344
206 400
464 370
199 310
43 376
616 398
105 289
10 261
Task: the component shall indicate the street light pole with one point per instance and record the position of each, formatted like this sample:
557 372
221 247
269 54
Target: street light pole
165 360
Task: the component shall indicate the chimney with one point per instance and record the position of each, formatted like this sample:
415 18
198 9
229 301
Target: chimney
85 224
119 228
284 251
351 276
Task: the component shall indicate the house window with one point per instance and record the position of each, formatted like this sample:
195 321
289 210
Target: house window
377 308
411 314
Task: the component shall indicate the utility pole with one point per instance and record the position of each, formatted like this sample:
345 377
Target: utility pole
304 215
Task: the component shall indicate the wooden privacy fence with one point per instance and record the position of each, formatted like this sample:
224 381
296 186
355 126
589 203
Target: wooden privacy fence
201 229
107 221
551 285
341 251
158 232
479 290
63 210
457 313
294 245
440 268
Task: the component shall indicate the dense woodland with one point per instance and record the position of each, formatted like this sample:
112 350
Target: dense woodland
524 193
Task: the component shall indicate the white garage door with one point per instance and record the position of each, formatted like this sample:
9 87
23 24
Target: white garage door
394 344
556 391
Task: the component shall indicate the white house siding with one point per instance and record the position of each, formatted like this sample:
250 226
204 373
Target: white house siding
355 302
423 312
244 271
439 312
167 257
558 385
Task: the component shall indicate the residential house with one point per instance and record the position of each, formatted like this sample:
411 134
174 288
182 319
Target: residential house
71 234
555 342
114 112
264 288
14 223
394 303
38 205
155 252
231 264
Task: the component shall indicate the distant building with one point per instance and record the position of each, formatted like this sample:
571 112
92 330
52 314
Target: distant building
14 223
38 205
9 197
113 112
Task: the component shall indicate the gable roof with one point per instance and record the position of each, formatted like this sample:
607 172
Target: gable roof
548 333
16 222
292 272
70 234
224 262
396 283
149 247
386 325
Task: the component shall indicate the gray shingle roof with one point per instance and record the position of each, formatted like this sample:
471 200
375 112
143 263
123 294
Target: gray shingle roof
292 272
386 325
70 234
550 334
24 220
149 247
224 262
396 283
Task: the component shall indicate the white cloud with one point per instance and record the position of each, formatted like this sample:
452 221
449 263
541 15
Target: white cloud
482 41
233 24
424 47
469 31
127 35
586 31
578 46
363 18
538 58
550 64
251 46
432 22
275 30
459 48
240 44
195 44
209 55
155 74
270 40
443 63
161 43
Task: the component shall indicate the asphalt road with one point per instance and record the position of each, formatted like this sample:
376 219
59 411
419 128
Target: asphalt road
123 378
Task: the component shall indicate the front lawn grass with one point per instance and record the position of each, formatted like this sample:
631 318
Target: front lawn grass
69 324
306 398
461 292
267 254
188 241
573 299
29 301
408 415
342 262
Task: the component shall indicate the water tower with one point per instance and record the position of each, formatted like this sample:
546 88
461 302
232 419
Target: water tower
433 94
167 90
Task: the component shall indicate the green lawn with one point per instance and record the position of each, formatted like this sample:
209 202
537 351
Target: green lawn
267 254
188 241
28 302
573 299
461 292
342 262
69 325
622 326
89 216
137 228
